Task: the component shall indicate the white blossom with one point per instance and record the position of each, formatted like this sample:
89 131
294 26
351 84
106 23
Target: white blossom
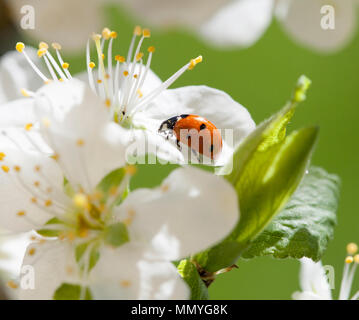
314 281
185 215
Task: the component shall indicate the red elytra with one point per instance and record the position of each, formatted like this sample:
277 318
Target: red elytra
196 132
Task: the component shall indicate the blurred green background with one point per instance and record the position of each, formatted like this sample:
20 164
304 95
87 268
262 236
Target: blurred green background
262 78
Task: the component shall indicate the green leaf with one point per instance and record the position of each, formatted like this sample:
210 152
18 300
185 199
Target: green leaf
68 291
190 274
267 169
306 224
94 254
116 234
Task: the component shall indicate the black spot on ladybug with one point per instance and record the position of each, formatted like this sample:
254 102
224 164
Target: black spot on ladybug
202 126
183 116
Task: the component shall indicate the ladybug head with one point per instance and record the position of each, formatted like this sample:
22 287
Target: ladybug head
168 125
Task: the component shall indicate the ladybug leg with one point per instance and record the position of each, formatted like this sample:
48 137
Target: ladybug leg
197 155
178 145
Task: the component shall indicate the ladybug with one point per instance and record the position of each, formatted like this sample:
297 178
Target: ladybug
198 133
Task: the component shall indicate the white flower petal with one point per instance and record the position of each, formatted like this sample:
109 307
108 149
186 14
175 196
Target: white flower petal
25 190
167 13
78 129
313 279
12 251
119 274
17 113
16 74
240 23
189 212
123 273
302 20
142 142
53 263
54 21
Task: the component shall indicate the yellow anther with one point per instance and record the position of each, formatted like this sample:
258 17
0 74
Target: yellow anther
65 65
139 56
125 283
113 34
146 33
32 251
12 285
25 93
20 46
108 103
41 52
17 168
71 236
131 170
47 81
107 76
5 168
62 236
20 213
2 156
55 156
194 62
49 190
69 270
103 56
137 31
43 45
165 188
356 258
28 126
120 58
127 222
61 80
125 73
140 94
56 46
80 201
48 203
113 191
80 142
37 184
96 37
135 76
83 233
349 259
33 200
97 195
99 81
352 248
102 207
46 122
106 33
151 49
92 65
37 168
